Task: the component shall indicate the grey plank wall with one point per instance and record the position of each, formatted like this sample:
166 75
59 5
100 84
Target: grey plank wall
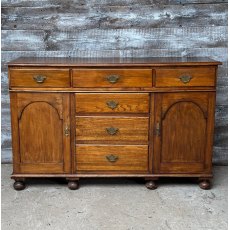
122 28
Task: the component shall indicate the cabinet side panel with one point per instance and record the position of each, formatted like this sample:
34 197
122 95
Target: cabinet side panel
15 134
210 132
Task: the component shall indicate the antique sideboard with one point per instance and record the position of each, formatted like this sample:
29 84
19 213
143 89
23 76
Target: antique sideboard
131 117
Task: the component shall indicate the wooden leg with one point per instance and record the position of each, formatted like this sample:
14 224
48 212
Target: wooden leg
150 184
204 183
73 184
19 184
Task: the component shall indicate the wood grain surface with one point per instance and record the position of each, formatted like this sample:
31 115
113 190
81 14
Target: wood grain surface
112 61
100 78
183 142
129 129
112 103
128 158
197 77
27 77
38 121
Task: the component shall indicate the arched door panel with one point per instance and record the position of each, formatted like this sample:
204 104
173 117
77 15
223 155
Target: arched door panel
181 143
40 130
42 146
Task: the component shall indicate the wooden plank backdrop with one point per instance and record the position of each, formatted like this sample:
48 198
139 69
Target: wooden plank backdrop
117 28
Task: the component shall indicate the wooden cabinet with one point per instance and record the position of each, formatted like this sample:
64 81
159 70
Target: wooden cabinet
184 129
41 133
148 118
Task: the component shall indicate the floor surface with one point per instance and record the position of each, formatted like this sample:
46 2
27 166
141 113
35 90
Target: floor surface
121 204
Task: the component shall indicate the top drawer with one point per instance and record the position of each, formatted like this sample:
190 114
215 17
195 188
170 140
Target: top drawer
183 77
39 77
112 78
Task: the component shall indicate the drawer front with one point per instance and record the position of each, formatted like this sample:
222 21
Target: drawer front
183 77
112 103
112 78
112 129
112 158
39 78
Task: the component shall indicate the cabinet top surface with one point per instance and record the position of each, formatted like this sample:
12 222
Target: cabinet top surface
151 61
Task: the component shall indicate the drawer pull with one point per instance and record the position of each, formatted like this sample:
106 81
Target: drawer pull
185 78
39 78
112 158
112 130
113 78
67 131
112 104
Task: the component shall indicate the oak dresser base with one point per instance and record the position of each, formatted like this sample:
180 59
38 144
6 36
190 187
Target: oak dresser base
73 180
144 118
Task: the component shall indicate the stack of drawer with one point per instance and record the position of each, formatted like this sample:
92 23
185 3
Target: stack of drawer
112 128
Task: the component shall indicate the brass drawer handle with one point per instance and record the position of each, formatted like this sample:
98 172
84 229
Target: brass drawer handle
39 78
67 131
112 158
112 104
185 78
113 78
112 130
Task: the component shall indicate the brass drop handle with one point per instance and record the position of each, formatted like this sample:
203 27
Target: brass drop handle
112 158
39 78
112 130
112 104
66 130
113 78
185 78
157 129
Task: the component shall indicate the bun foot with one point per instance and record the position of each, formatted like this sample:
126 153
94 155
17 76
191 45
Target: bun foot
150 185
19 185
205 184
73 185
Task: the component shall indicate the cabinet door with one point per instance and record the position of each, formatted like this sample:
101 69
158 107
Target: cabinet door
40 131
183 132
